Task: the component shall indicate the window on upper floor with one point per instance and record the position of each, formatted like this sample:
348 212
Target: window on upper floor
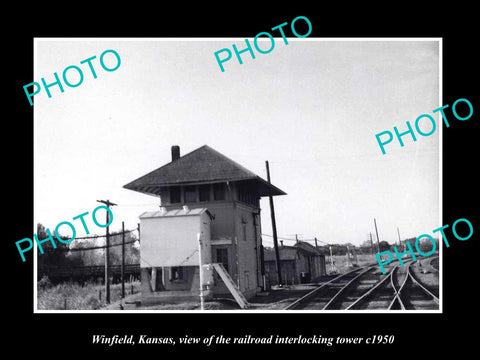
219 191
204 192
247 196
175 196
189 194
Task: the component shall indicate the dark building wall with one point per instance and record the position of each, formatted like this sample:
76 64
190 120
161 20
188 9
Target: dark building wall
292 269
288 270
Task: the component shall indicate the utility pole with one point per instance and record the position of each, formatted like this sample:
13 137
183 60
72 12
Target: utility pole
123 260
274 231
296 238
400 240
107 253
371 243
378 241
316 245
200 271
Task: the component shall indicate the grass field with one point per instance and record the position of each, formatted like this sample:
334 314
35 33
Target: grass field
73 296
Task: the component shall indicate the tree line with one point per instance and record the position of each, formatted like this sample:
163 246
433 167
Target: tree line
71 254
424 245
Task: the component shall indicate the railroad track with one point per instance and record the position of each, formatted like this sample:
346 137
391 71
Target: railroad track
414 295
356 288
384 294
367 289
322 296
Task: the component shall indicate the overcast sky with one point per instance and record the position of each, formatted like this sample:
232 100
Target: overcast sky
312 108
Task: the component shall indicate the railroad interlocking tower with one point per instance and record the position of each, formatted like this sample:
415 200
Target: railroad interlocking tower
206 180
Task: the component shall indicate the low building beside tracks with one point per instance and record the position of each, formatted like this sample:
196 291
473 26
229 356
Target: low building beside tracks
300 263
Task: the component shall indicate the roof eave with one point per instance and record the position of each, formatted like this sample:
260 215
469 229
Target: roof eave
268 188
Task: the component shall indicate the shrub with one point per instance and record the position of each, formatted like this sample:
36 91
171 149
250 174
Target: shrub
44 283
92 302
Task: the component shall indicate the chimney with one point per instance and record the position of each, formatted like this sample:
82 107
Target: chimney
175 152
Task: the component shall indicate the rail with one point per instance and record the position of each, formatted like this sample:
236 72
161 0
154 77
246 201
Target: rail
391 292
396 299
346 286
417 283
371 291
312 293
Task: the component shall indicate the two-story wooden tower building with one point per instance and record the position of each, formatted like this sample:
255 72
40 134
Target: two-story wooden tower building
202 192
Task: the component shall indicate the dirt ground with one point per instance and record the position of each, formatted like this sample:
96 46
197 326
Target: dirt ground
275 299
425 274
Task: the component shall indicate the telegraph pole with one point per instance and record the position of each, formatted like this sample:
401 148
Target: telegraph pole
123 260
378 241
200 271
107 253
371 243
274 231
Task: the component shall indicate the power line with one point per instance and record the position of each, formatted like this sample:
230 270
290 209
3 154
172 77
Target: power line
88 248
282 238
286 239
91 237
307 240
99 236
99 247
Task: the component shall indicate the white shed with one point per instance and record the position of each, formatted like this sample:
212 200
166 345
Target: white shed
170 238
169 249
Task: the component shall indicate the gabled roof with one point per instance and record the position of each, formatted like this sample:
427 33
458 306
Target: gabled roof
285 253
290 252
201 166
308 247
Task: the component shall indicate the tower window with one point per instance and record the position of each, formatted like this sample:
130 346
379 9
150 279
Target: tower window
204 192
219 191
175 194
189 194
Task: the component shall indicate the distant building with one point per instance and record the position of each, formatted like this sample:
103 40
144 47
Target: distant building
202 194
300 263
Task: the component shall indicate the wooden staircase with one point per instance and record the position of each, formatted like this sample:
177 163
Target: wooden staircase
232 287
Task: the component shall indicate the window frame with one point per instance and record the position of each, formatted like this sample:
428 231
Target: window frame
200 188
177 273
171 192
216 187
188 189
